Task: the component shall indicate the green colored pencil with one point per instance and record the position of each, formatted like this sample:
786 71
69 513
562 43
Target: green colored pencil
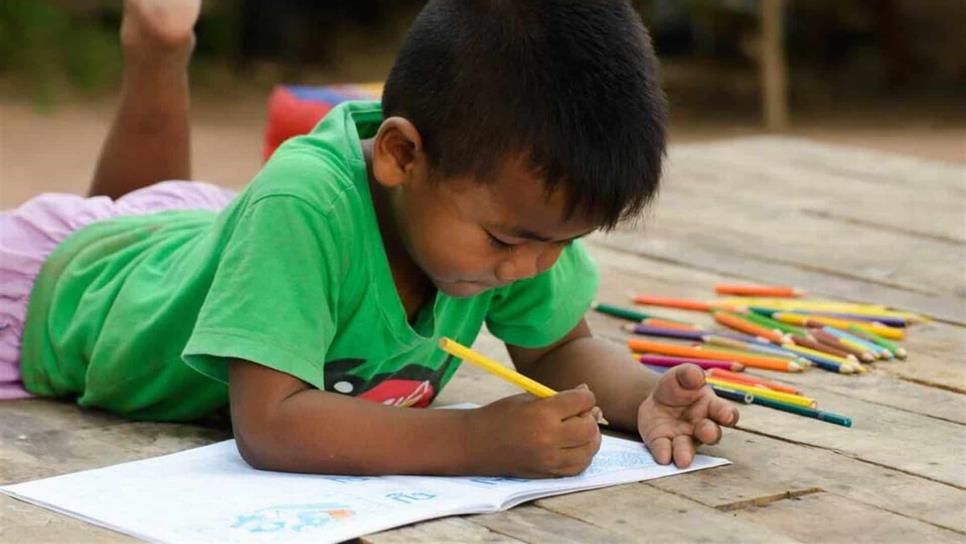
632 315
803 411
770 323
896 350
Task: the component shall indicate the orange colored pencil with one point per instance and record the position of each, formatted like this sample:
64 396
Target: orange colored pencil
747 327
664 323
682 304
723 374
751 290
756 361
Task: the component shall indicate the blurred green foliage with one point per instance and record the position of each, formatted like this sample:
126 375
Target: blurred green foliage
47 50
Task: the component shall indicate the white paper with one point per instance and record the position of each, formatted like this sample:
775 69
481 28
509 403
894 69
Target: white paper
210 494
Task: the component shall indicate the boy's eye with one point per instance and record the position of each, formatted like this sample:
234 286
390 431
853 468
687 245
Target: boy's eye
496 242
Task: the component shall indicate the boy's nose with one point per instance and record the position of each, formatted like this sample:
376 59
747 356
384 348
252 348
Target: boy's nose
526 262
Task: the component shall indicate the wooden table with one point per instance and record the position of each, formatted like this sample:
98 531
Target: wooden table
840 222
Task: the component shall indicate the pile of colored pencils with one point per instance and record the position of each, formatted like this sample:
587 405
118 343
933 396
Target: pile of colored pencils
771 328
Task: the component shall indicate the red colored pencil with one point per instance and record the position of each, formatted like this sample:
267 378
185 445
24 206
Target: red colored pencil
683 304
707 364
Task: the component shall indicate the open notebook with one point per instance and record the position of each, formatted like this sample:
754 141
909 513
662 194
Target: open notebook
210 494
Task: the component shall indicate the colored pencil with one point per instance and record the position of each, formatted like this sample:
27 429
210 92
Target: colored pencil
664 323
770 323
756 361
529 385
749 290
639 328
706 364
824 360
802 411
731 394
760 391
863 353
641 317
870 318
808 320
831 350
805 306
618 311
747 343
896 350
681 304
834 341
880 351
788 356
748 379
735 322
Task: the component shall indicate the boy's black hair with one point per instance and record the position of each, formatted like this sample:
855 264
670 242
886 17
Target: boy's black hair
570 85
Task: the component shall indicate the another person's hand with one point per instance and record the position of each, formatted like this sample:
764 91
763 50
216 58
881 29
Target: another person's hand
680 414
536 438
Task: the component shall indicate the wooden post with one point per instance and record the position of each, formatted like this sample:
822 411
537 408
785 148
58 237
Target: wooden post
774 79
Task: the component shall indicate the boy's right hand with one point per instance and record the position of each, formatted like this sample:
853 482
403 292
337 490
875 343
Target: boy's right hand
536 438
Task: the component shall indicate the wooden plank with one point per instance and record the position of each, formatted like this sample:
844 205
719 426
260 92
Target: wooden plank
808 517
642 513
41 454
882 435
764 469
451 529
23 522
535 524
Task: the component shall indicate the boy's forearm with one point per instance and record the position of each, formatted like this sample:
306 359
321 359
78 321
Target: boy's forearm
317 432
619 384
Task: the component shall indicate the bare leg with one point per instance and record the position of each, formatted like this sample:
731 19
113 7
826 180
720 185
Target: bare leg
150 138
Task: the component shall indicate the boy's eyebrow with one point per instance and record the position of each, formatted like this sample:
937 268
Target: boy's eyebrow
528 234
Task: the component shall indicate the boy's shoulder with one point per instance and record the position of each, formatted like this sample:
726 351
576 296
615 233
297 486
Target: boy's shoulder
325 167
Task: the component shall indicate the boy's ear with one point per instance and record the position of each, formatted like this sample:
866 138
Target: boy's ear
397 152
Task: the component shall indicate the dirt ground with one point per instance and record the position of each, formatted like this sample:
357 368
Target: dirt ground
56 151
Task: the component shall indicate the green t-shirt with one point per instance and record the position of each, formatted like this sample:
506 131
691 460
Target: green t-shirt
140 315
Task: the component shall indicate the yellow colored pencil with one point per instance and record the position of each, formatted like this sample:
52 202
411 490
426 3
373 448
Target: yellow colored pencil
759 391
531 386
798 305
802 320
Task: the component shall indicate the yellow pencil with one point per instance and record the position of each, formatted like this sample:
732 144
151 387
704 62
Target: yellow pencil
758 391
531 386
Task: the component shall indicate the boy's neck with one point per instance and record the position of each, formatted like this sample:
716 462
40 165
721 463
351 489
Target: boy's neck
412 285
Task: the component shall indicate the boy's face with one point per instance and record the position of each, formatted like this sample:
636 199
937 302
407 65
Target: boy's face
469 235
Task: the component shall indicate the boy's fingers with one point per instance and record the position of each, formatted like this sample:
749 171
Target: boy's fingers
661 450
579 431
723 412
683 450
572 402
680 385
707 432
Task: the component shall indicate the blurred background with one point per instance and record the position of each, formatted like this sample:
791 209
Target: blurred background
885 74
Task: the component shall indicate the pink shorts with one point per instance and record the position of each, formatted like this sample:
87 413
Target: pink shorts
29 234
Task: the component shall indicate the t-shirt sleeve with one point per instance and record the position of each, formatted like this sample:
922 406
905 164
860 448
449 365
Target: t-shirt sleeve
272 297
539 311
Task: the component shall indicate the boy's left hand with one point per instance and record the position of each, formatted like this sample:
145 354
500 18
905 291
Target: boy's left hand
681 413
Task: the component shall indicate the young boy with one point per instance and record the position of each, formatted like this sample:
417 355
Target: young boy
507 130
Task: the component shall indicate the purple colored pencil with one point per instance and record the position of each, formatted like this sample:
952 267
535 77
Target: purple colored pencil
667 333
663 360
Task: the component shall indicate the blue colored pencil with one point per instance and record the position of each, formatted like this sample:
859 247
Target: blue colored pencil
874 348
